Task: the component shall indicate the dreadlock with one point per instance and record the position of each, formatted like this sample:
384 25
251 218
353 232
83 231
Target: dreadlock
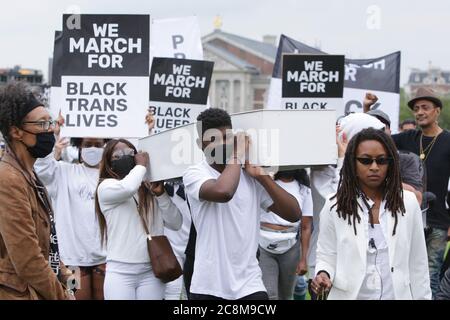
145 205
349 188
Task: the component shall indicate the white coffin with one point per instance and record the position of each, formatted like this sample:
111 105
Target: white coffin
280 138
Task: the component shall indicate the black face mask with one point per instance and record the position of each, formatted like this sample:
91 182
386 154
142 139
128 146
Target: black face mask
224 152
123 165
45 141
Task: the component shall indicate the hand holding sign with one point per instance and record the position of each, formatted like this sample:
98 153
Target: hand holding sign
150 120
142 158
241 147
157 188
342 142
60 145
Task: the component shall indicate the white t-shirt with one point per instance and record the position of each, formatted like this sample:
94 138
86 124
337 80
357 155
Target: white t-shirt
179 239
72 190
227 236
302 194
377 284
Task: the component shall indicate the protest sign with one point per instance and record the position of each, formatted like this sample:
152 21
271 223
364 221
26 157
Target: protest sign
177 38
311 82
178 91
104 75
380 76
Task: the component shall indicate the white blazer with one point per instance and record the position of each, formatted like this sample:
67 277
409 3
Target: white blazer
343 254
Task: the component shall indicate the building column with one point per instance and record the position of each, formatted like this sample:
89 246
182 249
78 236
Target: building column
231 96
243 95
212 93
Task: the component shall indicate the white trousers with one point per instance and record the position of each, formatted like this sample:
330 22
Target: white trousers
132 281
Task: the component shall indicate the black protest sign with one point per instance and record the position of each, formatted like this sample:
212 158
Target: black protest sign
57 61
106 45
104 75
376 74
180 80
312 76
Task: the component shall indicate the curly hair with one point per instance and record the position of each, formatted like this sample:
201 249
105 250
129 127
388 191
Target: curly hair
300 175
14 99
349 188
212 118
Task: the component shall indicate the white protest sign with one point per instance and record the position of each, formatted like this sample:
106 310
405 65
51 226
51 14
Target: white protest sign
104 82
312 82
378 75
177 38
178 91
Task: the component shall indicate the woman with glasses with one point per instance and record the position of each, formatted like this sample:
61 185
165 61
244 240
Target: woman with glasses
72 189
30 267
124 201
371 243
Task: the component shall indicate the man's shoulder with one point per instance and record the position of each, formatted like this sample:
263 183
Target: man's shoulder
407 134
406 155
195 168
446 134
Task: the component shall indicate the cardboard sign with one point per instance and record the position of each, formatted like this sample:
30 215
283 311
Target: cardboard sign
178 91
104 78
312 82
280 138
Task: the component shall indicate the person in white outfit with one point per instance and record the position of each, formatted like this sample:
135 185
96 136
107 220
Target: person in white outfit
284 245
371 242
178 239
325 179
123 201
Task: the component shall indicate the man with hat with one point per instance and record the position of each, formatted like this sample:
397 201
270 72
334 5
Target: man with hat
432 144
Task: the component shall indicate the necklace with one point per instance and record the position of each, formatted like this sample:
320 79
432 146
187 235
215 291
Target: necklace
425 152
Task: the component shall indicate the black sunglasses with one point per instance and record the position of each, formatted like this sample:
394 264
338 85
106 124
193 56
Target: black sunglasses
379 161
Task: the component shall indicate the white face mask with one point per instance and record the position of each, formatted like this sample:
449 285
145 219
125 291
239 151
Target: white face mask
92 156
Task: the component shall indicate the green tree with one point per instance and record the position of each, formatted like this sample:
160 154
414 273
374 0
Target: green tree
406 113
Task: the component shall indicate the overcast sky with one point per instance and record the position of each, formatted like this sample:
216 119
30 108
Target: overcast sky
357 28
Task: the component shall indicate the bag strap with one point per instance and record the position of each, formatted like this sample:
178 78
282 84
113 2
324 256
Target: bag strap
147 232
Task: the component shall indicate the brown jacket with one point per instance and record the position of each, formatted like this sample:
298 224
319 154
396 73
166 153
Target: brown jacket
24 239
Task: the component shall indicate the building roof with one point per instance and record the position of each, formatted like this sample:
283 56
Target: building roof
231 58
419 76
259 48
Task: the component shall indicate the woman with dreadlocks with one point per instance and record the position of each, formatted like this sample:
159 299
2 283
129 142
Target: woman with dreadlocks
371 242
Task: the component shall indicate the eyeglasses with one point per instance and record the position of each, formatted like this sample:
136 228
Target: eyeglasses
124 152
369 161
45 125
